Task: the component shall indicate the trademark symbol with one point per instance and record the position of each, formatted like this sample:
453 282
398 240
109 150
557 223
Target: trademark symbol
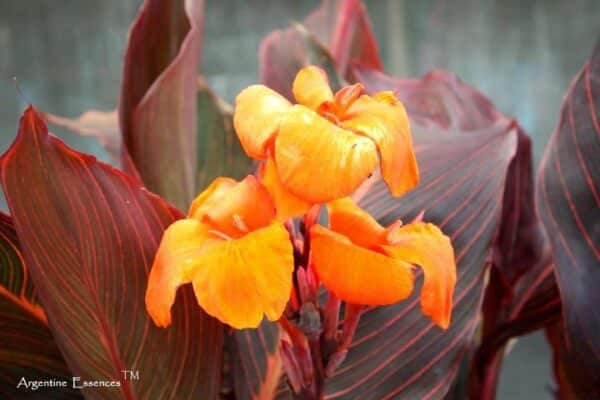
131 375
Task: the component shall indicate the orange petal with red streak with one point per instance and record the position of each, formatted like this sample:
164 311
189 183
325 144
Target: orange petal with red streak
355 274
242 279
178 256
347 95
311 87
424 244
383 119
318 161
258 111
234 208
287 204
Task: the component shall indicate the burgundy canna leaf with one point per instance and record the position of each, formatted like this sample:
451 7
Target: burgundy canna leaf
157 109
568 199
335 36
343 26
522 295
256 364
533 303
88 234
28 348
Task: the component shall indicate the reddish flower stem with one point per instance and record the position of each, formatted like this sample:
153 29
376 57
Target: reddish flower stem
331 320
351 318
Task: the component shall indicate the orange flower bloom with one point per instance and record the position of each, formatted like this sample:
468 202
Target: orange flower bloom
364 263
238 258
324 147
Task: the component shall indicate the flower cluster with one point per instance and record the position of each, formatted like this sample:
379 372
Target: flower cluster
236 247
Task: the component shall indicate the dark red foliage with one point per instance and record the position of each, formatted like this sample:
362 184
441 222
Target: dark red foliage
88 234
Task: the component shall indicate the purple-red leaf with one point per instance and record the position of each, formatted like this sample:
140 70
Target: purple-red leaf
568 199
256 365
157 109
335 36
464 148
28 348
88 234
521 295
343 26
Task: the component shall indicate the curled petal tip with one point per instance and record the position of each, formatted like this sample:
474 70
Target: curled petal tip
161 318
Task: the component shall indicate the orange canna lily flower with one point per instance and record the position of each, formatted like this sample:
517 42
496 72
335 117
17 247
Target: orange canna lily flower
324 147
364 263
237 256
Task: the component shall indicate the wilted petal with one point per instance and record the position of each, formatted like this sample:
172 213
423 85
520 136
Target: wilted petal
258 111
287 204
318 161
242 279
383 119
234 208
355 274
311 87
178 255
356 224
424 244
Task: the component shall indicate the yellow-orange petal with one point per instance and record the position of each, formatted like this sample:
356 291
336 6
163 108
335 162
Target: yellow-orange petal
234 208
356 224
242 279
355 274
383 119
318 161
178 255
287 204
424 244
256 117
311 87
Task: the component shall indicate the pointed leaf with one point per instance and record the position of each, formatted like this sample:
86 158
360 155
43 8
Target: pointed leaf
568 199
88 234
283 53
343 26
28 348
335 36
157 109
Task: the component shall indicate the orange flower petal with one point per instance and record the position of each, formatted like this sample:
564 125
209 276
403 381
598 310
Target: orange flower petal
356 224
258 111
355 274
383 119
318 161
234 208
347 95
311 87
242 279
287 205
178 255
424 244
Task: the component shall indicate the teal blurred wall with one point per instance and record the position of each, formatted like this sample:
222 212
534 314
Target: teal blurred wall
66 55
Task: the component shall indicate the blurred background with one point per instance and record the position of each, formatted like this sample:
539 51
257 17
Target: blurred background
67 57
